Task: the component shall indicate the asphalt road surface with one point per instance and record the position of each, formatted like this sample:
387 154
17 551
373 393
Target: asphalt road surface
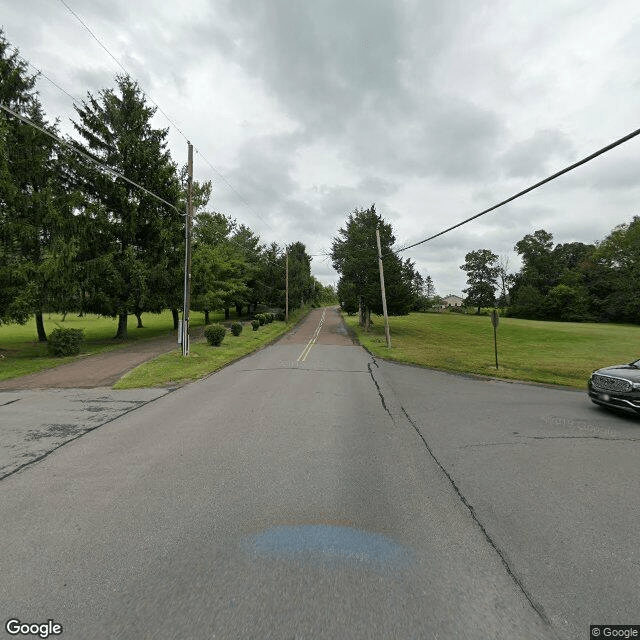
310 491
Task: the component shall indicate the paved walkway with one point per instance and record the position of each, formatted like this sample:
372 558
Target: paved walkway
101 370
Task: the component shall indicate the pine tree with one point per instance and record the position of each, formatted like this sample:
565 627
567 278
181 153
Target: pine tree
38 247
138 239
355 256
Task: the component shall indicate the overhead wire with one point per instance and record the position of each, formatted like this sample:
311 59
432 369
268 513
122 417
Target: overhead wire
260 217
109 170
571 167
93 35
44 75
396 251
113 172
87 156
222 177
521 193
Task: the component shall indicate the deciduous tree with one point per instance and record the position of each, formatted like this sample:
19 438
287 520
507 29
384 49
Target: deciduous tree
482 277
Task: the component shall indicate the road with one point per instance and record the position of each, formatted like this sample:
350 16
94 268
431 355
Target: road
310 491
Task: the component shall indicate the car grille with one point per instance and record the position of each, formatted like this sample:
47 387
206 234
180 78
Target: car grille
611 384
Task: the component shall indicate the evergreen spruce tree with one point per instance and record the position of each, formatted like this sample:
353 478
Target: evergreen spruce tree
37 248
138 239
355 257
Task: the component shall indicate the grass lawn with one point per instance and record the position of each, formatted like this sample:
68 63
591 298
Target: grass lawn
203 359
563 353
23 354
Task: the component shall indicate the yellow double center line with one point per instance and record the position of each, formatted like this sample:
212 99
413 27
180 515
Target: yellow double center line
305 352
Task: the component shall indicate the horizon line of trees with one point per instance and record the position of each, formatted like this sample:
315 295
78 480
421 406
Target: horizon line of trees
573 281
74 237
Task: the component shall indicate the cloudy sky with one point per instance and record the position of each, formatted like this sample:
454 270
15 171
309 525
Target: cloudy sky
432 110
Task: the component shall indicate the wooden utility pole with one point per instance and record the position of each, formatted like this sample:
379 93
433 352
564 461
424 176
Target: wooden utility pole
187 256
495 319
286 295
384 295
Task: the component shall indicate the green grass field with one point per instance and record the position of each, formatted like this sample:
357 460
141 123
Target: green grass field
563 353
203 359
22 353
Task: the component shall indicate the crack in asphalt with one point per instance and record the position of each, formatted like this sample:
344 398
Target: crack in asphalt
62 444
578 438
489 444
536 607
498 444
384 404
107 401
4 404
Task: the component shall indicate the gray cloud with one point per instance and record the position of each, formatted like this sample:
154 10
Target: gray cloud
322 60
433 110
617 173
531 157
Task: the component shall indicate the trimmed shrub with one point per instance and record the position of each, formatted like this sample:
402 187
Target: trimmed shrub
215 334
280 316
236 328
65 342
261 318
269 317
255 324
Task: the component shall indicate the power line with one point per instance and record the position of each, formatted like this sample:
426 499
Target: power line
105 48
95 37
260 217
101 165
588 158
44 75
618 142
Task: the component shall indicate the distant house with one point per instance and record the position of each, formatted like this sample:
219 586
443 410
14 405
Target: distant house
451 301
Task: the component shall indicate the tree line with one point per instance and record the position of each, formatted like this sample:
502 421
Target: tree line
75 237
573 281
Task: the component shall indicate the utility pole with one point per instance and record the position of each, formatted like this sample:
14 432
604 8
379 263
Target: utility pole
495 319
286 295
384 295
184 334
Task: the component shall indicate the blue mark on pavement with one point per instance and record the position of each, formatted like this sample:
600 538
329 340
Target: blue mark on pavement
328 544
